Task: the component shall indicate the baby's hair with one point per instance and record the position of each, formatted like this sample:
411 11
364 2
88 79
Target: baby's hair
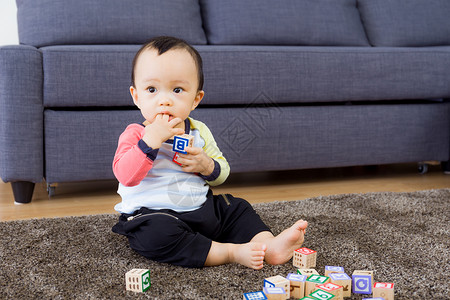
163 44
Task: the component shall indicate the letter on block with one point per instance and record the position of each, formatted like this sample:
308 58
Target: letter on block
255 296
138 280
297 285
180 142
384 290
313 281
320 294
307 272
333 269
304 258
345 281
274 293
279 281
333 289
361 284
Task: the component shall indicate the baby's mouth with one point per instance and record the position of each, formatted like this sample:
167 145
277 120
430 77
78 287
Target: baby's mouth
171 117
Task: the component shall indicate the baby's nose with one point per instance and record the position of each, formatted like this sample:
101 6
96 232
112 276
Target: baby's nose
165 101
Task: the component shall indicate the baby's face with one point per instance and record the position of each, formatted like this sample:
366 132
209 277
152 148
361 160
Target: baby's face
166 84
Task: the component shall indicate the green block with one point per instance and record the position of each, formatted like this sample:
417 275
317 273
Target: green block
318 279
319 294
308 298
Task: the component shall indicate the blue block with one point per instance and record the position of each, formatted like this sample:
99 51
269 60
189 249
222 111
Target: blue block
179 144
255 296
362 284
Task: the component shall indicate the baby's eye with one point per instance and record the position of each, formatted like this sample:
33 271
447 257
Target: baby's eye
177 90
151 90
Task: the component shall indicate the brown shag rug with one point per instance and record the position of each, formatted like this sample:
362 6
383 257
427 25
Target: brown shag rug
403 237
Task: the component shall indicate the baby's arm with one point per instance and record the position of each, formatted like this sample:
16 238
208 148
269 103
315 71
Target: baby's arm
138 147
133 158
208 161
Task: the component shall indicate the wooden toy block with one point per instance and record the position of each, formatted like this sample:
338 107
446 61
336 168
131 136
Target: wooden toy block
308 298
345 281
362 281
377 298
313 281
321 294
333 269
279 281
304 258
274 293
137 280
307 272
180 142
332 288
255 296
297 285
383 290
175 158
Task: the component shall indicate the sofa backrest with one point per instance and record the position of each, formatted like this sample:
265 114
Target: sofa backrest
406 23
283 22
77 22
392 23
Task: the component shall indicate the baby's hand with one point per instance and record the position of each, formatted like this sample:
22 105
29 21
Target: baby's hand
196 161
160 130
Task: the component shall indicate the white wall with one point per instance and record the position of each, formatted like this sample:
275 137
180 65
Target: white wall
8 23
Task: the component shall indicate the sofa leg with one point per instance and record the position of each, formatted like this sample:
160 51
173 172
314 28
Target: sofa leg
23 191
446 167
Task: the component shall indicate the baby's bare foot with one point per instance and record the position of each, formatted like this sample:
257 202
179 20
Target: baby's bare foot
250 255
280 249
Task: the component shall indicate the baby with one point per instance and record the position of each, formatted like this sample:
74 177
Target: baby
168 212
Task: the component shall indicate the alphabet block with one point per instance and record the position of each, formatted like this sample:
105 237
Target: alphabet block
333 269
137 280
297 285
279 281
345 281
313 281
362 282
307 272
180 142
384 290
274 293
320 294
333 289
255 296
304 258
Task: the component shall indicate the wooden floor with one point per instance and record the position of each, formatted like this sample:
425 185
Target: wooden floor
87 198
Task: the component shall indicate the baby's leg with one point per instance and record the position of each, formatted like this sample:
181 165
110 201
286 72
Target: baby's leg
280 248
250 254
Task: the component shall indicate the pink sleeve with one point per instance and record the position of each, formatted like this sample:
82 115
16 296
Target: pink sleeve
131 164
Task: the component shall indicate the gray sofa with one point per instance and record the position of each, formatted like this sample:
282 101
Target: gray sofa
289 84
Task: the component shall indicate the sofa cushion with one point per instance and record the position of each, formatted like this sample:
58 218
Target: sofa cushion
406 23
243 75
286 22
53 22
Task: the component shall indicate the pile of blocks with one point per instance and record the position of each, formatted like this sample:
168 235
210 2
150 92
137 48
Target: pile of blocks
308 284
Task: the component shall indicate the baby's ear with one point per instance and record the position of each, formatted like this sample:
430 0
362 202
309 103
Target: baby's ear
198 99
134 95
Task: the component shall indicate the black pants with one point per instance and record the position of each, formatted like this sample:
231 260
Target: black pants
185 238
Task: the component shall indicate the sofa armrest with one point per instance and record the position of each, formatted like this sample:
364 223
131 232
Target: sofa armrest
21 114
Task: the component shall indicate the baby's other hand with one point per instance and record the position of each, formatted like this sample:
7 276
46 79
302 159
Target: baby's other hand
160 130
196 161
